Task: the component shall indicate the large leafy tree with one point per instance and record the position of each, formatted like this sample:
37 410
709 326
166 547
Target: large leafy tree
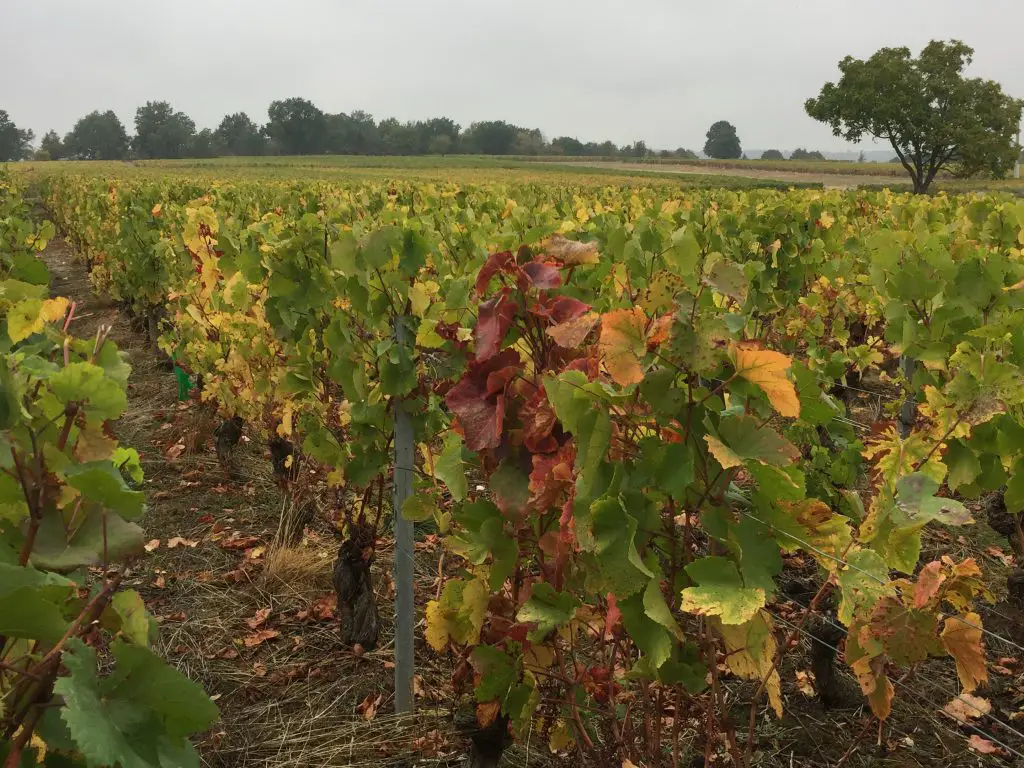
50 147
722 142
297 127
97 136
490 137
15 142
237 134
931 114
162 132
772 154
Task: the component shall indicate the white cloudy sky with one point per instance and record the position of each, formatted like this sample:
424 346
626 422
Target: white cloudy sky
661 70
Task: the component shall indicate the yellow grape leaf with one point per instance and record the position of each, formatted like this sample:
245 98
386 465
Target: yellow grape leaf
734 605
561 737
436 631
623 342
826 220
768 370
750 650
571 333
419 299
723 454
54 309
284 429
29 316
961 637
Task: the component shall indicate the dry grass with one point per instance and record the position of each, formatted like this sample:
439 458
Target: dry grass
302 572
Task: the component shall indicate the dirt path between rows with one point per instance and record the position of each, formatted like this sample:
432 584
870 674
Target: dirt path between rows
830 180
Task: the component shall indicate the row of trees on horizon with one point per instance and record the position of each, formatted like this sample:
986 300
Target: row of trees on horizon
296 126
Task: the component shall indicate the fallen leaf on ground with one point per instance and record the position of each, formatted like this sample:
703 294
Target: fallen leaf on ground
260 670
160 582
966 707
174 451
805 682
257 638
152 544
368 707
255 553
986 747
259 619
323 608
178 541
240 542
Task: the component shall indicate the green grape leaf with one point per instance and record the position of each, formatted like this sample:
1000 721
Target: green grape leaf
86 383
419 507
548 609
1014 496
496 670
136 623
963 464
861 583
449 468
102 483
650 636
57 549
751 442
623 570
656 609
26 612
720 591
916 503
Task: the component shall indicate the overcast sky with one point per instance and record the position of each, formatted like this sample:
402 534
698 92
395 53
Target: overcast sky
660 70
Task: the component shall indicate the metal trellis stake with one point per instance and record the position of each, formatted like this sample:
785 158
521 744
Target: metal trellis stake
405 612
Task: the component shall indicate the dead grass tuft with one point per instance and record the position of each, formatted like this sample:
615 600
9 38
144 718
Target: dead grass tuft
302 572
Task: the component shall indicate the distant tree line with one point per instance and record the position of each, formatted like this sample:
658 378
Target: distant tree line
295 126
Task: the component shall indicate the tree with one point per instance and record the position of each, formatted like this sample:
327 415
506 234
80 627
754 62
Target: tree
802 154
441 144
50 147
931 114
162 132
772 154
861 158
15 142
97 136
238 135
686 154
492 137
203 144
297 127
722 141
568 145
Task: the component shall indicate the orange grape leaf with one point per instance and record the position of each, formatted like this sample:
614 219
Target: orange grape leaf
571 333
623 342
368 706
487 712
928 583
768 370
258 638
961 637
259 619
